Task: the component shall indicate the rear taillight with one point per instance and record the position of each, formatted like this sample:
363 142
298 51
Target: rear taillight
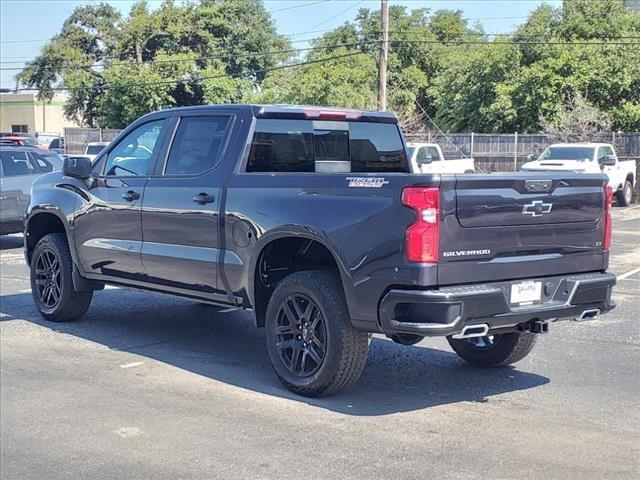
608 200
423 236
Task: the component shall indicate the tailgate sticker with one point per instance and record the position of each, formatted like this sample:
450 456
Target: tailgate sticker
367 182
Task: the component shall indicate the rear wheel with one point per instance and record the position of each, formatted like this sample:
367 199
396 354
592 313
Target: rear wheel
51 281
494 350
625 194
313 347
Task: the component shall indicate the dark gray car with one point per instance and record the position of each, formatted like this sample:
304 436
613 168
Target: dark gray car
19 167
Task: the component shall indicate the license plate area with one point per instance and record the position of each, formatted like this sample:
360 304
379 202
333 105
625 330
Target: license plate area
526 293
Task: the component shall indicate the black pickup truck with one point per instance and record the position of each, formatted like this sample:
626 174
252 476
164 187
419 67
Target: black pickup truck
311 218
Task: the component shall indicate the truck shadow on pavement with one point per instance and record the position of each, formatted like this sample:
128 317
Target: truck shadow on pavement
227 347
9 242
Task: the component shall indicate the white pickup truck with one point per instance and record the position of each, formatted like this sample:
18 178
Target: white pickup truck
590 158
428 158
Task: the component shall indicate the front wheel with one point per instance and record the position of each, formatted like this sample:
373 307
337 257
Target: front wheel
312 345
52 283
494 350
625 194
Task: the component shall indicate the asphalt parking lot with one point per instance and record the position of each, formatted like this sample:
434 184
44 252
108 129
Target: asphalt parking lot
150 386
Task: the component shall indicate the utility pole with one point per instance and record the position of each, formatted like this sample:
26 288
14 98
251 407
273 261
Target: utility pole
384 51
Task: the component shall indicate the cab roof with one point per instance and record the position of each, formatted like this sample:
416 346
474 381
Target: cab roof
309 112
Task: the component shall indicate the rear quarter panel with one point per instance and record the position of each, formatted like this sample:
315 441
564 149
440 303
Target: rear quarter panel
362 227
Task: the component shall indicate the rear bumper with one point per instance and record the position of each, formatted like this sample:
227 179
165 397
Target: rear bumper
447 311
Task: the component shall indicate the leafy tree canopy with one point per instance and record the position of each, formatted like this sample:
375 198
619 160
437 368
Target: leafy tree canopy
441 67
117 68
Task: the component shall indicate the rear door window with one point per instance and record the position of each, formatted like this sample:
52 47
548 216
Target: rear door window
282 146
198 144
318 146
15 164
43 165
376 147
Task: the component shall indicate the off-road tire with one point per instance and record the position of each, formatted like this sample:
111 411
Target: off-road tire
71 305
625 194
508 348
346 347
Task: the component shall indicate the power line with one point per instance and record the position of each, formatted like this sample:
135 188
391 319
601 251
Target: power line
424 112
217 57
392 41
471 42
298 6
337 15
191 80
510 35
107 57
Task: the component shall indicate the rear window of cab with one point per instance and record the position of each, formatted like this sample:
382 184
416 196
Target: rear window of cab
280 145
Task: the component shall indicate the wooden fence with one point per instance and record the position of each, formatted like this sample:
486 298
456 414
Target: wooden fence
76 139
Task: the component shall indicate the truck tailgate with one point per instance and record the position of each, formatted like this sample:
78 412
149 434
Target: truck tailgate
520 225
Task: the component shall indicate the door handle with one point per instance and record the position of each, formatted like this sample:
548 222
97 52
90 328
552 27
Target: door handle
203 198
130 196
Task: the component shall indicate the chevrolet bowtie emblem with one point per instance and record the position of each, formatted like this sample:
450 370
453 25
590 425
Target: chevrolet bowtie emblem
537 208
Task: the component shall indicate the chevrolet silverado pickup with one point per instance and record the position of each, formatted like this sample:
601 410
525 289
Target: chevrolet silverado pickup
590 158
311 218
428 158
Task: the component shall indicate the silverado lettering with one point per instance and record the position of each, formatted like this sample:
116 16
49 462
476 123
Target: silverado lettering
464 253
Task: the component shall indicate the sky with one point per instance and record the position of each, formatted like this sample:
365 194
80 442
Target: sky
25 25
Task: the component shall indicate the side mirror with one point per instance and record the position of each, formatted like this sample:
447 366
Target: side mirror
608 161
77 167
426 160
531 157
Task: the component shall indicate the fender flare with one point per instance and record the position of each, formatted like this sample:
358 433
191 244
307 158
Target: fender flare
298 231
38 210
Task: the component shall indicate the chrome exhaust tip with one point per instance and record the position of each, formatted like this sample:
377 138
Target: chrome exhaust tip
472 331
589 314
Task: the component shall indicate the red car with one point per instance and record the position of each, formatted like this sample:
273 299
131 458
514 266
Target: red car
22 140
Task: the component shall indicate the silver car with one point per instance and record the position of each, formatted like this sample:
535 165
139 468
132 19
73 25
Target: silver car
19 167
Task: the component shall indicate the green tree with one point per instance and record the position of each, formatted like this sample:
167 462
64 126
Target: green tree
116 68
557 55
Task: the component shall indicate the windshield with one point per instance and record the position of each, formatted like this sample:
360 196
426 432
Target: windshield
28 141
580 154
94 149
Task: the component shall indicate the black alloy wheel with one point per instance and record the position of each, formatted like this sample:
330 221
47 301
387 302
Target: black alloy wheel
313 346
301 335
52 287
47 278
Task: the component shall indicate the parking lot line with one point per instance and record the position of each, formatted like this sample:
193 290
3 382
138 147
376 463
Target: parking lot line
629 273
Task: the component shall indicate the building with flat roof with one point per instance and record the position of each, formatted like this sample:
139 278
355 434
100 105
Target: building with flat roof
23 112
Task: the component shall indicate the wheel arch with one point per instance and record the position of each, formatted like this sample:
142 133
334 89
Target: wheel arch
259 293
630 178
39 223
